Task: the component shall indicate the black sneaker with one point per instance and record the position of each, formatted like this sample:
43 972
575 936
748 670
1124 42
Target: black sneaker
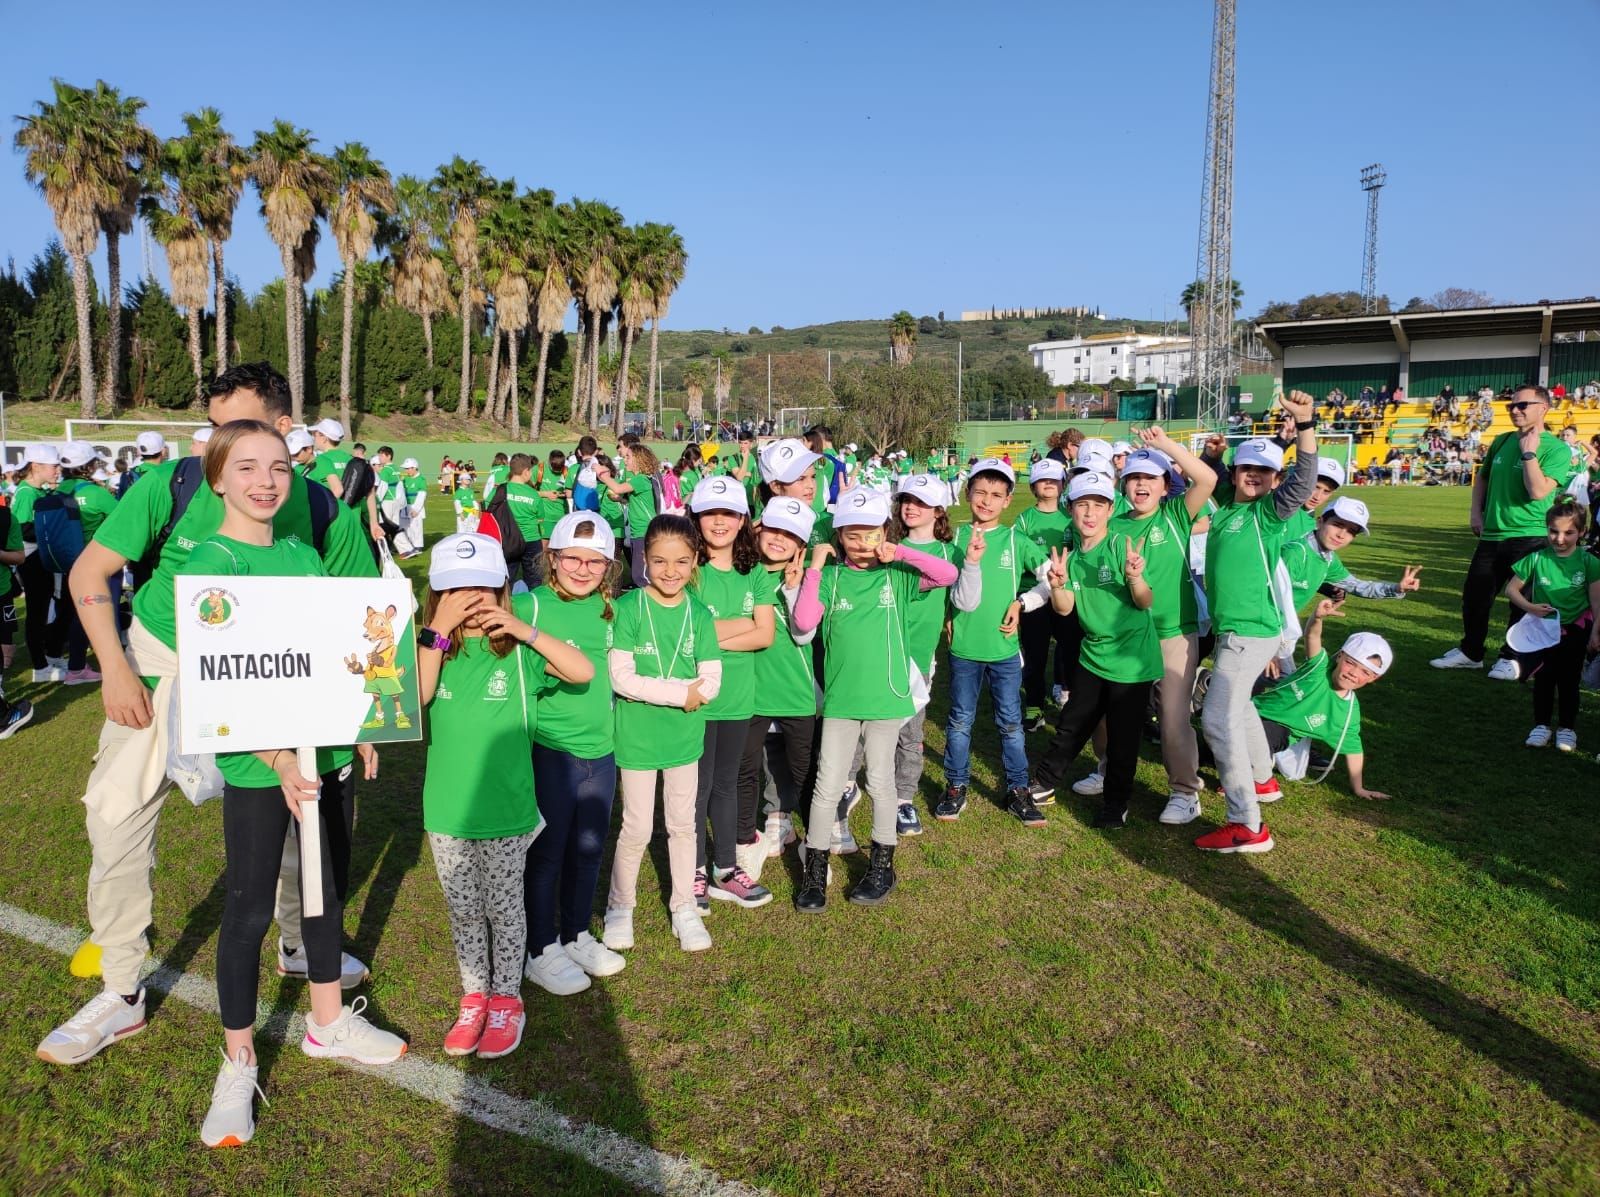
1041 794
1023 806
1111 820
17 715
880 879
951 805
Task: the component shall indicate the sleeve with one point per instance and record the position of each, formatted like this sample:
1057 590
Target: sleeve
1366 588
1523 566
791 595
808 609
934 571
1292 494
709 674
344 547
130 530
1035 596
705 635
1555 459
13 542
967 593
626 682
1352 738
208 557
1032 559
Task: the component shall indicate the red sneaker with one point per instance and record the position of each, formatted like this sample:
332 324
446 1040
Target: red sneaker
1266 791
1236 837
504 1032
462 1039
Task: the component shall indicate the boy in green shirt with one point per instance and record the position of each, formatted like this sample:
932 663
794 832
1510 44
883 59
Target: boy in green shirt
527 507
1048 526
328 469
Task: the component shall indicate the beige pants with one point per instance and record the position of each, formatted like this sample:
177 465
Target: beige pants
1180 750
678 786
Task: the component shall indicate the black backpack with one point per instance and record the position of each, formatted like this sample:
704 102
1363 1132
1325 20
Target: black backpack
58 530
512 543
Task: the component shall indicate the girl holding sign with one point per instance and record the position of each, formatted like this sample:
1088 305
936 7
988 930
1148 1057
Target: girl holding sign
247 464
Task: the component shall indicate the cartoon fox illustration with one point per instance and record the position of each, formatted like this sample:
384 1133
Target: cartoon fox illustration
380 671
213 608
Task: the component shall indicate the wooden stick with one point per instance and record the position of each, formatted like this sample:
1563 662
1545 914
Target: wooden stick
310 839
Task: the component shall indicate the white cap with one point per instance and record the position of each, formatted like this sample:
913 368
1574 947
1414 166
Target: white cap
41 455
329 427
786 460
77 453
1097 463
1329 468
1152 463
1121 447
410 463
1351 511
789 515
100 476
150 444
600 537
1094 447
298 440
719 493
1363 646
467 559
850 448
202 435
926 489
1258 451
992 465
860 507
1046 469
1092 485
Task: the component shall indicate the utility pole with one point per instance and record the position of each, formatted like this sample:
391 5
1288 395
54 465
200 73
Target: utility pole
769 388
1212 317
1372 180
830 367
959 409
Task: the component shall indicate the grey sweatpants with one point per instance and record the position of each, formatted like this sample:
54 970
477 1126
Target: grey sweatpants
1232 727
907 757
482 882
834 759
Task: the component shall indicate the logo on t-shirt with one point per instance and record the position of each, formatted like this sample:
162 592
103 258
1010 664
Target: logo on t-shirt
1106 576
749 605
886 595
1158 536
1315 720
1236 524
499 686
843 604
1005 559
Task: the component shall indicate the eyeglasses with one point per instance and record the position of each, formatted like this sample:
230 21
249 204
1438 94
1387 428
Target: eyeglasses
580 565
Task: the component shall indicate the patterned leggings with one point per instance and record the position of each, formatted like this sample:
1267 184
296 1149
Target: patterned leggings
482 882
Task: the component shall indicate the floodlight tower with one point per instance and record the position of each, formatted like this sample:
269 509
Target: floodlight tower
1372 180
1211 319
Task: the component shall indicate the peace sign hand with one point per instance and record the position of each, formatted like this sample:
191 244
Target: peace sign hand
1058 567
794 572
1411 579
1133 560
886 549
976 547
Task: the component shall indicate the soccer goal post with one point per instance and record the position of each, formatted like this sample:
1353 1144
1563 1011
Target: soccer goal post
1341 446
115 438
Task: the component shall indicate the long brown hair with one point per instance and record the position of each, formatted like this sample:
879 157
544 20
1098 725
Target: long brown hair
642 461
898 530
225 438
746 554
499 643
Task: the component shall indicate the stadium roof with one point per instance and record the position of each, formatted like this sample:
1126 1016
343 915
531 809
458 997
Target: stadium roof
1541 319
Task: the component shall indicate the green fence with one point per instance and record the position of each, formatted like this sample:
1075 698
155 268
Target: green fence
1317 381
1467 374
1574 362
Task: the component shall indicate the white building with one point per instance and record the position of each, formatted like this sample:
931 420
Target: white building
1100 358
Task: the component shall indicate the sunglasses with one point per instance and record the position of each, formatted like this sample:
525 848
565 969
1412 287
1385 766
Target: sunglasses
1524 404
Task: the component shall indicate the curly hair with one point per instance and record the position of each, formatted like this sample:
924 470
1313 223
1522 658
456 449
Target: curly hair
260 377
746 554
898 531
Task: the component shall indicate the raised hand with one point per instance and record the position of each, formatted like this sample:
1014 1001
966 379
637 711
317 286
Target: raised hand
1133 560
497 621
1156 437
1216 445
1058 566
1299 405
976 547
886 550
1411 579
454 609
1327 607
1529 438
795 571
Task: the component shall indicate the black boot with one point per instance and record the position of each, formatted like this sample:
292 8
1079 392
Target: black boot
879 882
812 897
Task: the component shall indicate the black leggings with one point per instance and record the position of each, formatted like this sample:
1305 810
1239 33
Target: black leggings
1035 631
798 735
254 823
46 637
1122 705
718 793
1557 674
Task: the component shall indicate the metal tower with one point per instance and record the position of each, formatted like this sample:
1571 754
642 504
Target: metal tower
1372 179
1211 318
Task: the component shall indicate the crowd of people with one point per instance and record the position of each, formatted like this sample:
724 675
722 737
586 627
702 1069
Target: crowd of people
755 631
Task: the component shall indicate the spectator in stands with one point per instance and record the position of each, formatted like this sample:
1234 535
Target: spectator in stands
1558 395
1368 396
1591 394
1385 398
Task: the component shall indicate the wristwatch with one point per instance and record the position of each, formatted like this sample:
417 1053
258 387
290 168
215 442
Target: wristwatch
429 638
1526 456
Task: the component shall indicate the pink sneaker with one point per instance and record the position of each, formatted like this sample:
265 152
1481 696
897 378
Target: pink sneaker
504 1032
463 1038
738 886
81 677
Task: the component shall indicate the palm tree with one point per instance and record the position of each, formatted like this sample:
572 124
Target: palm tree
419 281
1193 292
171 213
65 159
599 230
295 183
694 386
633 308
722 380
364 188
130 152
216 182
548 256
505 244
666 262
902 338
464 188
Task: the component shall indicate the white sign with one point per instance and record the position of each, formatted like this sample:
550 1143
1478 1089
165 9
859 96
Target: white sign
295 663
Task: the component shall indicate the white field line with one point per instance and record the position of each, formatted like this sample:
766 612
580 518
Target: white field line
463 1095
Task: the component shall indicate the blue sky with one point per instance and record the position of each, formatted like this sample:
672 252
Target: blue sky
829 161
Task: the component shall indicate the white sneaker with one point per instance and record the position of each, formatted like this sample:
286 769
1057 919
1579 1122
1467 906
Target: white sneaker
1181 808
231 1120
1058 696
556 972
57 663
293 964
352 1037
780 833
49 674
842 842
618 933
1455 659
101 1021
1567 740
1539 737
752 857
1091 785
1505 670
594 957
690 930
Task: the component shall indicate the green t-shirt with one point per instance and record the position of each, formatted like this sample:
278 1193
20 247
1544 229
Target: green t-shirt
412 486
928 608
1308 569
329 463
1508 510
479 781
823 469
497 475
389 476
134 525
821 531
687 481
976 635
1242 551
785 683
1298 524
526 506
22 502
867 662
13 542
1306 703
551 510
287 557
611 511
1165 533
650 736
576 718
728 594
641 503
95 502
1119 640
1047 529
1563 582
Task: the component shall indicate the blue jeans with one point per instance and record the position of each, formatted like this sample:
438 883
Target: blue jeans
575 801
1005 693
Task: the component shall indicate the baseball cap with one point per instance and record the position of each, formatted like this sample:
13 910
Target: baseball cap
851 447
861 508
329 427
100 476
925 488
600 537
992 465
1329 468
77 453
1121 447
1094 447
467 559
719 494
1351 511
1152 463
1092 463
786 460
298 440
1363 646
410 463
1047 469
1092 484
150 444
41 455
202 435
789 515
1258 451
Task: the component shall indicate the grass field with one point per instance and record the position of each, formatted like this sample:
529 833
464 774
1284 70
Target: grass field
1402 998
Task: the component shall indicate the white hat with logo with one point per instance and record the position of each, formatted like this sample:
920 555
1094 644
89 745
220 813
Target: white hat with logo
329 427
1152 463
1092 484
1046 469
719 493
925 489
1258 451
791 516
298 440
410 463
1092 463
77 453
1363 646
992 465
860 507
1094 447
786 461
1349 511
1121 447
584 530
150 444
41 455
467 559
1331 469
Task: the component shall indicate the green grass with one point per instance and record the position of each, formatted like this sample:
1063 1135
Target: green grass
1403 998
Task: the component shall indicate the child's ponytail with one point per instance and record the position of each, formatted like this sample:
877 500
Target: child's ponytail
1567 507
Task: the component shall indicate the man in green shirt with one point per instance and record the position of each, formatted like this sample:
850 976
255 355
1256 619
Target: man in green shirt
328 468
1520 477
527 508
124 795
499 471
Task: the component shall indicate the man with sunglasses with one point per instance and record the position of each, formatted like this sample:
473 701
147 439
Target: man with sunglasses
1522 473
